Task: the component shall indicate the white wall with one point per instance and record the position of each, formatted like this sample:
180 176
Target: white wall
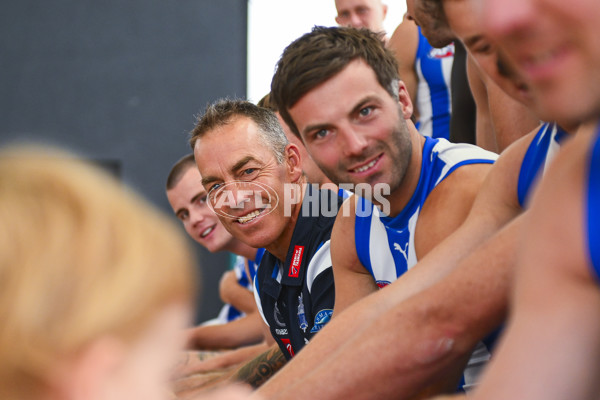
273 24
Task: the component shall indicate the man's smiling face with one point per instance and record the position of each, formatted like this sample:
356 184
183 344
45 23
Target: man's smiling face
245 181
354 129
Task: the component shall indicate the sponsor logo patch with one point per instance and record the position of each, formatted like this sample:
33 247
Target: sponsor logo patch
288 346
294 270
444 52
322 318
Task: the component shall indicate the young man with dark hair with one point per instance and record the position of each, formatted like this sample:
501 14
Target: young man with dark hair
353 113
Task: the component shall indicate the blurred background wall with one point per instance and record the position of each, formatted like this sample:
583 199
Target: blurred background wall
120 82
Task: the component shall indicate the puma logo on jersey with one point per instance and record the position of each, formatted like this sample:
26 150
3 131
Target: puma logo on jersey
401 250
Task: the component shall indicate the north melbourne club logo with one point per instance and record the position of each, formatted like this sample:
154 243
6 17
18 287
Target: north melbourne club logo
444 52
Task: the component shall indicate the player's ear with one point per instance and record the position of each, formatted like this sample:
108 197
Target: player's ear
293 161
404 100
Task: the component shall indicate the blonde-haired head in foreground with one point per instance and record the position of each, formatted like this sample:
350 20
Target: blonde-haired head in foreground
90 277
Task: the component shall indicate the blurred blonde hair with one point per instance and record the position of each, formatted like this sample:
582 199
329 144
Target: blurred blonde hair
80 257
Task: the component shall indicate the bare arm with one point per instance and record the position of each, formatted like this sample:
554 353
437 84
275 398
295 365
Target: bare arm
404 43
254 373
447 206
240 332
422 340
501 120
257 371
352 280
194 362
510 119
552 346
231 292
485 137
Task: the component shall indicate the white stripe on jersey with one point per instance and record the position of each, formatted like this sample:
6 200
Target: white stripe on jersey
320 261
424 103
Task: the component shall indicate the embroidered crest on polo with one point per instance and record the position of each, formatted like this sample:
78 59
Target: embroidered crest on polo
302 322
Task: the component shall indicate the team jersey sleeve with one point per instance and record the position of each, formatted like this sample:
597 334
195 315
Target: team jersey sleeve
320 284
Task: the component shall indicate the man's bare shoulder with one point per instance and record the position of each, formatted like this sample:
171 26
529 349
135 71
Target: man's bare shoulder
404 42
500 186
558 206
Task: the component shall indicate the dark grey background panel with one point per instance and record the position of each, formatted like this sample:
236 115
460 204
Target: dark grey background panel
120 82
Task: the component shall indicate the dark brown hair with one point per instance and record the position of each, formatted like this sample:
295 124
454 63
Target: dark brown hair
321 54
179 169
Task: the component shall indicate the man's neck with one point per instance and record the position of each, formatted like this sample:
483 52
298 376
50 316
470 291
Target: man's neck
402 195
242 249
279 247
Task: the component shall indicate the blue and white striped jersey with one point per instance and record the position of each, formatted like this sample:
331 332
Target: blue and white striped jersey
385 245
434 68
541 152
228 312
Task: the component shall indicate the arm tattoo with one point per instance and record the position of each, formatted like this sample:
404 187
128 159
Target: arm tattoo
206 355
261 368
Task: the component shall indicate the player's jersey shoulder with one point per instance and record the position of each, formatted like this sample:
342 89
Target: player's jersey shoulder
592 207
542 150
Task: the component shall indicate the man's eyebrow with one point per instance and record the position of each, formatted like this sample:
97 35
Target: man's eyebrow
355 109
237 166
361 104
198 195
315 127
472 40
208 179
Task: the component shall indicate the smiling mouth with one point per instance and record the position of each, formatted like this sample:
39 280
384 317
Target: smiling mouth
207 231
366 166
539 63
541 58
249 217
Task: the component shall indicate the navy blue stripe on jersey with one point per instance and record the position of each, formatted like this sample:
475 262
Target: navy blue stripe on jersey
593 207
